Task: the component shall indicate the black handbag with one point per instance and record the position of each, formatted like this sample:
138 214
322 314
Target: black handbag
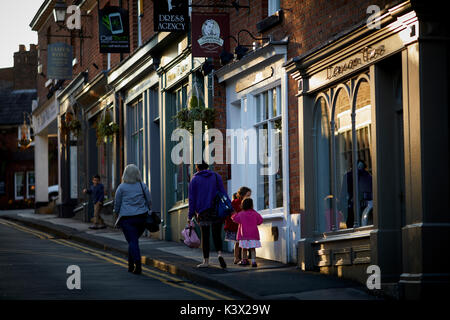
152 220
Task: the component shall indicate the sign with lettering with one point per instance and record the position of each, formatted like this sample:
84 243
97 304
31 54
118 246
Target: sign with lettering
113 30
179 71
366 55
210 32
253 79
170 15
59 61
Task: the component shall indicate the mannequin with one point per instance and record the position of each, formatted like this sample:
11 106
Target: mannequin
364 192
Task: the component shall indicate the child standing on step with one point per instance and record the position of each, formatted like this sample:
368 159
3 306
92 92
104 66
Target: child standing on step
248 233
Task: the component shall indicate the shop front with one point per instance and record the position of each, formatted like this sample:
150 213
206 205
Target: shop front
257 143
45 122
367 149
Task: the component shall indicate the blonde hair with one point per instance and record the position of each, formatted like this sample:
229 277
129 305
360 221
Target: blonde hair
131 174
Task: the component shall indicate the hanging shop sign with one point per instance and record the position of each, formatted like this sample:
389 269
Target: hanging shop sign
113 30
210 32
59 61
170 15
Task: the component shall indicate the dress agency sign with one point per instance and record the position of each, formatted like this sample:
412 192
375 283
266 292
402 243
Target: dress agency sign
170 15
210 33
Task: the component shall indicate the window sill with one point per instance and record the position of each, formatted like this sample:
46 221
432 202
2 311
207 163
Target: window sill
269 22
178 206
269 214
345 234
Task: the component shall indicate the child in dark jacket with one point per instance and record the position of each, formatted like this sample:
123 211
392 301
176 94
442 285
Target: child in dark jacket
231 227
98 194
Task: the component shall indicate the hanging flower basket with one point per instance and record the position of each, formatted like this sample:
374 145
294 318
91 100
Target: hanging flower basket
106 129
195 110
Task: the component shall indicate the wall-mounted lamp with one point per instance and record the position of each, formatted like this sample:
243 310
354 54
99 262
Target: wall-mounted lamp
59 12
240 50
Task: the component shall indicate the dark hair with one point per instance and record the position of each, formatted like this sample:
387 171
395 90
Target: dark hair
202 166
96 177
234 195
247 204
243 191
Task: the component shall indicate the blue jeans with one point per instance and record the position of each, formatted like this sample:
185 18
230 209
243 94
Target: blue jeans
133 227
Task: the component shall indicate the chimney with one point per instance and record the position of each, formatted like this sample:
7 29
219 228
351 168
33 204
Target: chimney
22 48
25 68
33 47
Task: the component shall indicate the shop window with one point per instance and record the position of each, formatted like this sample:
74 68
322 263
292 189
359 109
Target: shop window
135 135
181 172
270 149
30 184
343 194
322 147
19 185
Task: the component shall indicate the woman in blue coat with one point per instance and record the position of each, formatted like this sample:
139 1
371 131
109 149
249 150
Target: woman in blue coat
132 203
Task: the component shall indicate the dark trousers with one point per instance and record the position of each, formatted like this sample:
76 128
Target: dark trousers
133 227
216 229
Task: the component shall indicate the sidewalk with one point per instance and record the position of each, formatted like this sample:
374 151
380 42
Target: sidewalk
270 280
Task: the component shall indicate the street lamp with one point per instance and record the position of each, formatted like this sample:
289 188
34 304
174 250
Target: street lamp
59 11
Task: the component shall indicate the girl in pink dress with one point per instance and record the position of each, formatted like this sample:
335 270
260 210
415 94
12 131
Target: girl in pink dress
248 234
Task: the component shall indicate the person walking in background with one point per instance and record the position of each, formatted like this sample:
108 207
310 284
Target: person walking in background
248 233
132 203
230 226
98 193
202 192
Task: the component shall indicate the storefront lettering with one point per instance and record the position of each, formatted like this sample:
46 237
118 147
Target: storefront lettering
171 22
368 54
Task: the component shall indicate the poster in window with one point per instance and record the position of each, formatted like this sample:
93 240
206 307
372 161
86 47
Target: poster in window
113 30
170 15
210 32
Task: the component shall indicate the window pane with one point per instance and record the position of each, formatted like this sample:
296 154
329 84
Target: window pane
322 166
263 177
265 105
279 164
343 140
19 176
258 108
30 184
274 102
363 126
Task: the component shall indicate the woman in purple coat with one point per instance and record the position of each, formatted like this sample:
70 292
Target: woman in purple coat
202 191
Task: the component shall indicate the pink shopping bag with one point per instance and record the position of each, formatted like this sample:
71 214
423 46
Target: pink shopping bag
190 236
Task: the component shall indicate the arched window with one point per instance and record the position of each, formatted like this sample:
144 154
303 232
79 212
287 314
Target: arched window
322 132
342 142
343 157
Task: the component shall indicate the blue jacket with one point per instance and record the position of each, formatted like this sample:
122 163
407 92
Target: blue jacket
98 192
202 191
130 201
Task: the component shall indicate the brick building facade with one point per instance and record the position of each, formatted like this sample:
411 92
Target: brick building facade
291 45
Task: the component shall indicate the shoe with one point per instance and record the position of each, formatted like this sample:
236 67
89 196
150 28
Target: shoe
236 261
254 265
94 227
130 265
102 226
244 262
137 268
203 265
222 262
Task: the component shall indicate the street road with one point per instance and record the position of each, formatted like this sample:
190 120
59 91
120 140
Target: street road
33 265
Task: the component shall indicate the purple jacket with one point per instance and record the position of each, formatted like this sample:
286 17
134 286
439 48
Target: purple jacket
202 190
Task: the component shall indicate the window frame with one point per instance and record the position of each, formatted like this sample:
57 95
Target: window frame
350 86
16 197
269 121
